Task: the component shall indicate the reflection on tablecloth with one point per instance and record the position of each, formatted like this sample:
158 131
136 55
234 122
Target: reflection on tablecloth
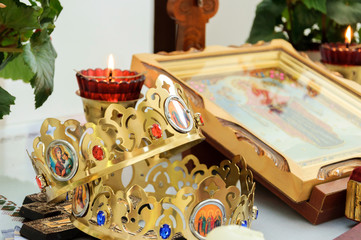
12 234
10 219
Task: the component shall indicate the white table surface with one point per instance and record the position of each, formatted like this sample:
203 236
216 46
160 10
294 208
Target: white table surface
276 219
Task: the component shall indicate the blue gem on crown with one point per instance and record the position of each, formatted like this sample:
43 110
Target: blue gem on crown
165 231
244 223
101 218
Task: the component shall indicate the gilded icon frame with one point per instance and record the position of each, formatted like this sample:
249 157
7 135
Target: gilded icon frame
184 108
74 159
230 136
199 207
86 200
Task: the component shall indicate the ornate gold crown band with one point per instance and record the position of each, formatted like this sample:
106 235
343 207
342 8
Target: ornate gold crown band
67 155
165 200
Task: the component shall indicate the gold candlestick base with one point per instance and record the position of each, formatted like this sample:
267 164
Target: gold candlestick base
95 109
348 71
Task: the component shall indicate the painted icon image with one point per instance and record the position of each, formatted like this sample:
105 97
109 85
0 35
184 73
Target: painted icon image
80 200
178 115
207 217
61 160
296 113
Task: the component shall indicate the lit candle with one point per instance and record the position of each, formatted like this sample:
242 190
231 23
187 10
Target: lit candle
341 53
110 67
344 58
110 84
348 36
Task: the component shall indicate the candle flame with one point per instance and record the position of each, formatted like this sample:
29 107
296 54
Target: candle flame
111 62
348 35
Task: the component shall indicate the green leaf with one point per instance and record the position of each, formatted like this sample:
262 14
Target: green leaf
52 9
303 18
40 57
268 15
33 2
344 12
286 15
16 69
17 22
319 5
19 16
6 99
7 57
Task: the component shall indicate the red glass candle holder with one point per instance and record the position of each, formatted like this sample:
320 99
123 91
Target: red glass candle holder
338 53
99 84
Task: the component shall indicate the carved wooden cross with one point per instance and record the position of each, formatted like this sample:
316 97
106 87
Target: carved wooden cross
191 17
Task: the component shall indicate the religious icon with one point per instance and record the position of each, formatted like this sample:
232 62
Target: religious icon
178 115
62 160
208 215
298 114
80 200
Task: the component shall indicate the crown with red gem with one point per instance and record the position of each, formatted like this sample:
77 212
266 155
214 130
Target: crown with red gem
67 155
165 199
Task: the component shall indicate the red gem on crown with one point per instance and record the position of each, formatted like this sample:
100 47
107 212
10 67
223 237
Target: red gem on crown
156 131
40 181
98 153
201 119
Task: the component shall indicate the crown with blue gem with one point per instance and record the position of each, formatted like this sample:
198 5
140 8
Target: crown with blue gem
69 154
162 199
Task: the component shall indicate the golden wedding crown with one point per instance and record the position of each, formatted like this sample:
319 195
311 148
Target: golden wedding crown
117 170
165 199
69 154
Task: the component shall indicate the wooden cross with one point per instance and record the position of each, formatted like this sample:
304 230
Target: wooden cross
191 17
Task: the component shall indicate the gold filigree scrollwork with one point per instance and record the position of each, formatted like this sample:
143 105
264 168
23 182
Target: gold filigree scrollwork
139 211
130 125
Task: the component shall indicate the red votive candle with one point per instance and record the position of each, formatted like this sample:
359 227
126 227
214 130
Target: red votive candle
341 53
110 85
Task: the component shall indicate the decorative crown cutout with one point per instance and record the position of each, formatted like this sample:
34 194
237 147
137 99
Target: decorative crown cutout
165 106
165 200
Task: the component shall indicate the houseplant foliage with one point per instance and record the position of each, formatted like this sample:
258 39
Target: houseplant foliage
304 23
26 51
